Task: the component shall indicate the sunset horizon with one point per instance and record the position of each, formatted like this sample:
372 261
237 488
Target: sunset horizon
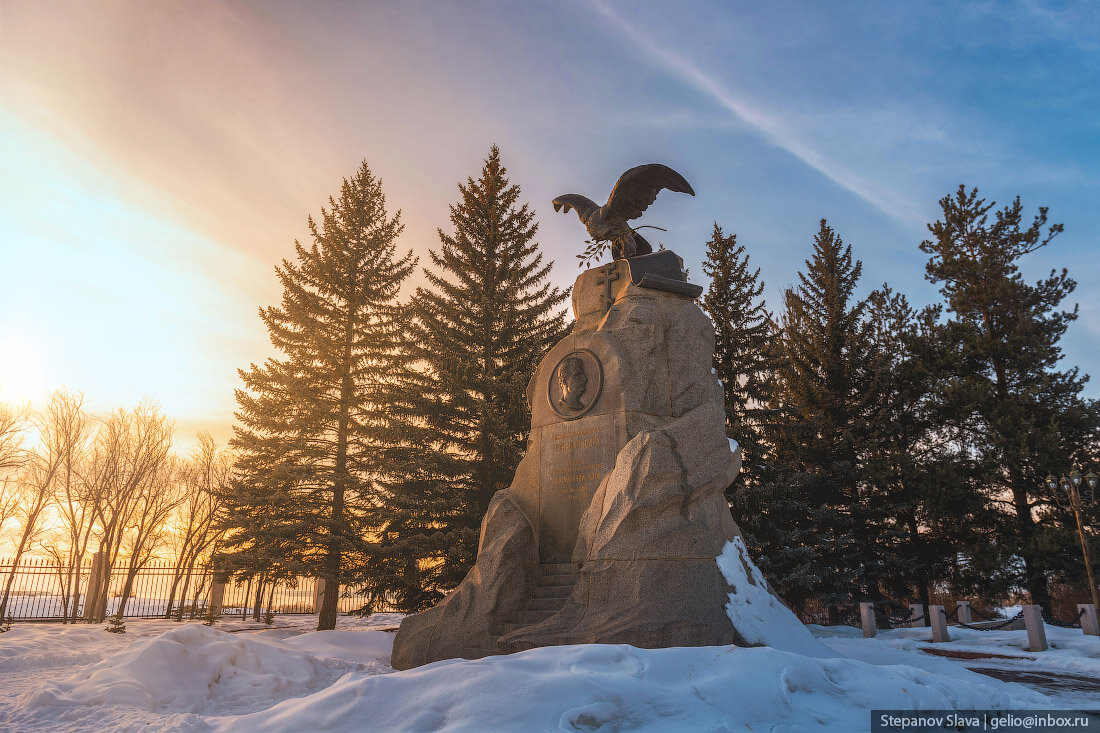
159 161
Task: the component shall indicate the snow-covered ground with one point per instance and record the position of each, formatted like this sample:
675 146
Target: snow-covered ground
242 676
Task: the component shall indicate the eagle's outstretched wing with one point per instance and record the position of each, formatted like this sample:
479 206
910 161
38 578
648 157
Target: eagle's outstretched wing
638 188
584 205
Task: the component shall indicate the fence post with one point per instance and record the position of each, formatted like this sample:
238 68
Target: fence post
217 597
1089 623
103 590
964 612
867 620
916 610
938 618
1036 633
318 595
91 595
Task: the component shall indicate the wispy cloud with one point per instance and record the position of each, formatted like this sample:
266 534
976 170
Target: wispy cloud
772 127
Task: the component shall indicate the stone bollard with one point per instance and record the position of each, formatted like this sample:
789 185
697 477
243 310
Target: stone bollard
916 610
217 598
938 617
1089 623
318 595
1036 632
867 620
964 615
95 580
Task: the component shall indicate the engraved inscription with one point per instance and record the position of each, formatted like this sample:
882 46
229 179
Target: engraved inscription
577 439
576 478
576 458
577 481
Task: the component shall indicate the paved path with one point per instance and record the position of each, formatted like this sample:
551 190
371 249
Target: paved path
1044 681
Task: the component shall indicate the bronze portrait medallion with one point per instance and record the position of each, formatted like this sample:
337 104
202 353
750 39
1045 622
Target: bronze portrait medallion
575 384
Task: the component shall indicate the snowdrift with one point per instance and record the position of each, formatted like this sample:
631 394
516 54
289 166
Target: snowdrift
198 669
757 614
618 687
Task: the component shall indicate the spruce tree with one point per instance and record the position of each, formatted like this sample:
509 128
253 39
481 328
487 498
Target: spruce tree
742 340
1010 404
474 336
310 420
821 402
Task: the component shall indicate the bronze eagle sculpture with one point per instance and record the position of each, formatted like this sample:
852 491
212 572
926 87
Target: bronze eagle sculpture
633 193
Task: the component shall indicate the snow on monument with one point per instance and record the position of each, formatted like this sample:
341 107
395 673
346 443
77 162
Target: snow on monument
613 525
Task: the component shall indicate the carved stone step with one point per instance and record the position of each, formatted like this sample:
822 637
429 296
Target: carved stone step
519 646
544 604
558 576
555 568
529 618
557 581
553 591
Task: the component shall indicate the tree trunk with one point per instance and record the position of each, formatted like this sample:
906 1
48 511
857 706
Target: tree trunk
326 619
183 597
11 575
259 599
924 591
247 593
72 585
200 592
1035 577
177 576
127 588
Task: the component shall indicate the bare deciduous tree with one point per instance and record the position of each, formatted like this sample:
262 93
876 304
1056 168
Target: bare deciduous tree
157 498
74 510
37 480
206 477
13 428
130 451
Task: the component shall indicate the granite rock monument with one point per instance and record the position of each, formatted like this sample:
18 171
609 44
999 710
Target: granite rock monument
611 526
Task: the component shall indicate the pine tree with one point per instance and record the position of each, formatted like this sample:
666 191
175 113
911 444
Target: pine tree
742 340
822 400
1009 403
474 338
310 426
914 486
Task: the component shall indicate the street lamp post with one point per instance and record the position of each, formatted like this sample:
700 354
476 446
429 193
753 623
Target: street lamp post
1072 488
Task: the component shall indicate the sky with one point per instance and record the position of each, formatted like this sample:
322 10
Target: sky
157 160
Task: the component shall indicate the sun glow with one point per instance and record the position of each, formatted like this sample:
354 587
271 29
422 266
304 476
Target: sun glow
110 291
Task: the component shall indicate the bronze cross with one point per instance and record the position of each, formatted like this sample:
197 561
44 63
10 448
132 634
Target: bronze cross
606 278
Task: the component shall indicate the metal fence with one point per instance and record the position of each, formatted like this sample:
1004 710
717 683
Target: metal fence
43 590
